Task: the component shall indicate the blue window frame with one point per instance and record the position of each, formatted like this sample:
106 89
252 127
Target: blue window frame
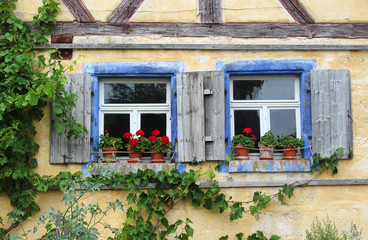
129 70
299 67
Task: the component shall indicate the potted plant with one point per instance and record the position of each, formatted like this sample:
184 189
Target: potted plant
266 145
159 146
290 145
241 144
137 145
109 146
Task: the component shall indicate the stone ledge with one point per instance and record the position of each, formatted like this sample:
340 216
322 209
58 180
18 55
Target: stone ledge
302 165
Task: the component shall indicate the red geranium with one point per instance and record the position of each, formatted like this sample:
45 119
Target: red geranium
133 142
165 139
247 130
106 131
139 132
155 132
254 137
127 135
152 138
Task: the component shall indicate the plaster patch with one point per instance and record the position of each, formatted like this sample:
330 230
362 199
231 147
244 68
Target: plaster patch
362 164
364 106
360 141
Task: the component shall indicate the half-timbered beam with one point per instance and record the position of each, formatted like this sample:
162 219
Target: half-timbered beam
256 30
125 11
210 11
79 11
297 11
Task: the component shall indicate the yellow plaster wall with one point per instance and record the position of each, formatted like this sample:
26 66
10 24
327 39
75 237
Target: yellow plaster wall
342 204
338 10
167 11
255 11
101 10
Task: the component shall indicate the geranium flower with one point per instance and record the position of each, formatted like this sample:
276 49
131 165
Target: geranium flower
133 142
254 137
127 135
155 132
165 139
139 132
106 131
247 130
152 138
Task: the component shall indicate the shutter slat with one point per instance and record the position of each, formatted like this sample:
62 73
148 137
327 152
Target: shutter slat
191 142
201 116
63 150
331 112
215 115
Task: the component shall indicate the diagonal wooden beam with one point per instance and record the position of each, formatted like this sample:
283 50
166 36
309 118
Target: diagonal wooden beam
210 11
297 11
79 11
125 11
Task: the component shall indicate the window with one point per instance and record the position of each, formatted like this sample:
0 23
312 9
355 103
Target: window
263 103
127 105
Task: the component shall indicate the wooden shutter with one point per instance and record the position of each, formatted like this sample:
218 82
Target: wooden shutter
201 116
63 150
331 112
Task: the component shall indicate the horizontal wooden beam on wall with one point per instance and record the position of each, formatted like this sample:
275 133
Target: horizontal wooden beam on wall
245 30
250 47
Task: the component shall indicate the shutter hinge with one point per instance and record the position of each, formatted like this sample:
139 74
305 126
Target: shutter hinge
209 139
226 139
91 139
207 91
225 91
308 90
92 93
175 94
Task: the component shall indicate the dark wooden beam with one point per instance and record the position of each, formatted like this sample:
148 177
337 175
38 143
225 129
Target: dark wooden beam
210 11
79 11
244 47
297 11
255 30
125 11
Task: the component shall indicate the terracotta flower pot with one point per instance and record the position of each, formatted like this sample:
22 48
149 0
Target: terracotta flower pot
289 153
242 153
109 154
135 157
157 157
266 152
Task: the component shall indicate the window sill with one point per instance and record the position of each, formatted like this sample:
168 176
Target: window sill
126 168
256 165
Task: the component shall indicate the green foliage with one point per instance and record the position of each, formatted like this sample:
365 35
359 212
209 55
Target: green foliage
287 190
241 139
259 235
106 141
286 140
28 83
328 231
324 163
268 139
261 201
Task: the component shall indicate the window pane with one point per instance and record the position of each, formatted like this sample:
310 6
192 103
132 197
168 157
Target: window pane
135 92
247 118
152 121
117 124
264 89
283 121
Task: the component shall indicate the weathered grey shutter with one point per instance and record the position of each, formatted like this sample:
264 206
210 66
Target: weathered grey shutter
331 112
201 116
63 150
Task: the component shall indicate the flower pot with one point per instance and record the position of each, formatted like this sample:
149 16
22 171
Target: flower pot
109 154
134 157
242 153
289 153
157 157
266 152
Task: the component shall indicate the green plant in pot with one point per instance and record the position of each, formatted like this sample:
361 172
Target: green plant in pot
137 145
266 145
290 145
109 146
241 144
159 146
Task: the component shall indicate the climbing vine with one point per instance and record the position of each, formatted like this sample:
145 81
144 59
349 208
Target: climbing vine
29 81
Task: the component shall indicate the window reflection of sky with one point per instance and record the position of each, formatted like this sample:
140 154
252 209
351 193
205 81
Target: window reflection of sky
264 89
